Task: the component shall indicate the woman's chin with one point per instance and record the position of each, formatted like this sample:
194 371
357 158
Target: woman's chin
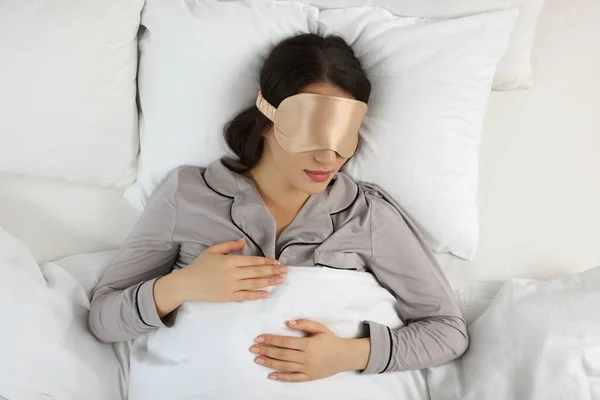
311 187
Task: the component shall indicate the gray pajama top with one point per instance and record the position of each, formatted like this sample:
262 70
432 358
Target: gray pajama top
352 226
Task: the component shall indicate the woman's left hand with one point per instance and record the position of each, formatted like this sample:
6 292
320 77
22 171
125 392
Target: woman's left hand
317 356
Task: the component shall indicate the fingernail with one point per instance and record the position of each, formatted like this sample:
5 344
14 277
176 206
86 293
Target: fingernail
265 295
260 361
276 262
283 269
292 322
279 280
259 340
254 350
272 377
241 240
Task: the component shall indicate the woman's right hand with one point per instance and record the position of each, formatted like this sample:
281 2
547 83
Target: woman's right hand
215 276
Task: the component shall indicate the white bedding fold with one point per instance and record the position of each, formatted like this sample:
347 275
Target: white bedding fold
46 350
538 340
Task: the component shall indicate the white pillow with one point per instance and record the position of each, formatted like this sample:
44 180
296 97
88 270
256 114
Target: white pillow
189 86
538 340
431 81
68 97
430 86
208 347
513 70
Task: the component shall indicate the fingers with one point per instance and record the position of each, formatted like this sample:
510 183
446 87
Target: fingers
288 342
248 261
278 353
260 271
306 325
240 261
259 283
245 295
289 377
227 247
278 364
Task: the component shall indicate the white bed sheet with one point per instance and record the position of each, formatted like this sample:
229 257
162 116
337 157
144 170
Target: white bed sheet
539 173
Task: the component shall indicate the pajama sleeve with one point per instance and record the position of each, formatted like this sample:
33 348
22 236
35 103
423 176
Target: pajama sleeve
122 305
435 330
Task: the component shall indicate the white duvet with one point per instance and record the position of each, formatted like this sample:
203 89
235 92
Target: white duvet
537 340
46 350
205 354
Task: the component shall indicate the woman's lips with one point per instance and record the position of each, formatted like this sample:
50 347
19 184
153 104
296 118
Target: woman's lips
318 176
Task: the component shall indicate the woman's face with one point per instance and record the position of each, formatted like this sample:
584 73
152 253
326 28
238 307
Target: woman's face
311 171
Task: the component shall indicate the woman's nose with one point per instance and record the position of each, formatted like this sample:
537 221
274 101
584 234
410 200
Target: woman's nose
326 157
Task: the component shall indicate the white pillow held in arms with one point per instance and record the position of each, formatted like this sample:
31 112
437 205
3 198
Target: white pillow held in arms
205 355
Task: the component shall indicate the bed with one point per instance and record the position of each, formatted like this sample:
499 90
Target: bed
538 193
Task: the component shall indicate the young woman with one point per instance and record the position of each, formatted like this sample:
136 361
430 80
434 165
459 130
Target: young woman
286 199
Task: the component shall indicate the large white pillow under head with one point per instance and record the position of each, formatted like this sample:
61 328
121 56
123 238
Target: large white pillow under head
430 86
199 63
431 81
513 70
68 89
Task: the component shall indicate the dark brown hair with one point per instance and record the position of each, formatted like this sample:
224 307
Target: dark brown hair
292 65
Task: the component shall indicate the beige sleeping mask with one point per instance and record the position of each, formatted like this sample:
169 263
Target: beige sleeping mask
307 121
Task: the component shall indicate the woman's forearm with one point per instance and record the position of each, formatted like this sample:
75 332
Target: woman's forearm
167 295
421 344
120 315
358 353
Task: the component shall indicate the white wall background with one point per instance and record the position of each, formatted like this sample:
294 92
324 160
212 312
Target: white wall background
539 176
